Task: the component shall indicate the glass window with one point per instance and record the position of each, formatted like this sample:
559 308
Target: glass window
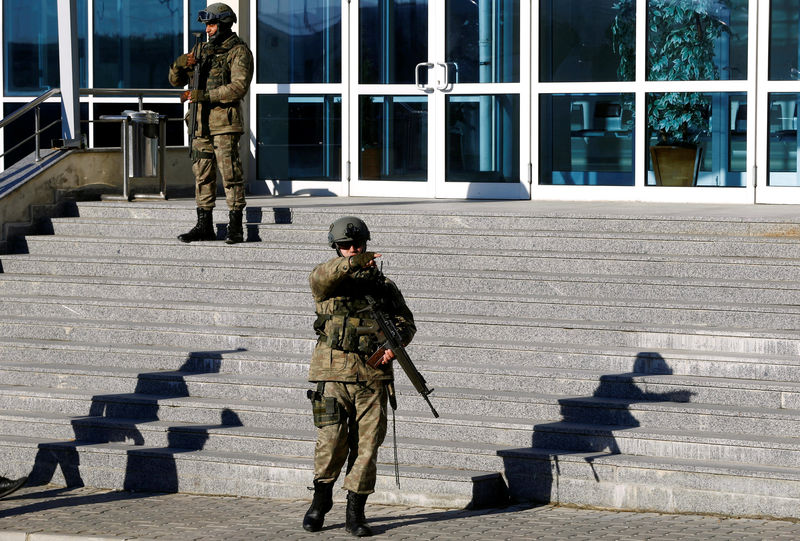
783 140
586 40
134 42
700 40
784 40
299 42
595 147
194 25
299 137
30 46
393 39
482 138
483 40
393 137
108 134
703 135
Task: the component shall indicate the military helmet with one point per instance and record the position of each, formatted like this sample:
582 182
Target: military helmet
217 13
348 229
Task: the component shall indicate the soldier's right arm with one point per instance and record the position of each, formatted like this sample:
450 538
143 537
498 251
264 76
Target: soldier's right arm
179 72
326 276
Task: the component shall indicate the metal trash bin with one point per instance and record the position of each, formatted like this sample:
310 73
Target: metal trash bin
143 137
143 155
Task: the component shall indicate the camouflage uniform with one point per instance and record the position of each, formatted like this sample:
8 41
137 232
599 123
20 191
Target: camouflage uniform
225 72
339 360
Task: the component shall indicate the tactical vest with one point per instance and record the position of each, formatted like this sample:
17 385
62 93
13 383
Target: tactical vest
341 325
216 71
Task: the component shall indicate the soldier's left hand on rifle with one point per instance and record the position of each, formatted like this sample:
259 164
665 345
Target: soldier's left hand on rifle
195 96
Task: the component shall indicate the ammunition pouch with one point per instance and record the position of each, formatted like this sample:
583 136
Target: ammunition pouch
326 409
350 334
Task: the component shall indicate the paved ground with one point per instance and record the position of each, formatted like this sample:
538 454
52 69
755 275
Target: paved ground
55 514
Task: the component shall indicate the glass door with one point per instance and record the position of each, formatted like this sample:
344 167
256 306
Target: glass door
778 168
439 106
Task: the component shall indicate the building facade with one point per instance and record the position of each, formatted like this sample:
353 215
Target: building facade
516 99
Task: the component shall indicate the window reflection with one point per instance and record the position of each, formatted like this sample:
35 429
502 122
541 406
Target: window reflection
702 40
784 40
482 138
393 137
483 40
716 127
30 46
783 140
194 25
586 40
299 137
393 39
299 42
595 147
135 41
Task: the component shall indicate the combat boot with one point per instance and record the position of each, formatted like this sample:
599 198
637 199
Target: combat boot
203 229
235 232
355 522
7 486
321 504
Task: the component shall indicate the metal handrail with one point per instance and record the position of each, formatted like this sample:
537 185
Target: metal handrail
140 93
35 103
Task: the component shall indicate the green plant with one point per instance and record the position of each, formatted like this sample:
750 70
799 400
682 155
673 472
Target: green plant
681 45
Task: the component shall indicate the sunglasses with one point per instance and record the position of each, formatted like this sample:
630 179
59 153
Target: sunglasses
348 245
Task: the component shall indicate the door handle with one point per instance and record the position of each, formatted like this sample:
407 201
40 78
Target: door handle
426 65
443 86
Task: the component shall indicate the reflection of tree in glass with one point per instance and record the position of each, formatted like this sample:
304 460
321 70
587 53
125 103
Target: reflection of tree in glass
681 45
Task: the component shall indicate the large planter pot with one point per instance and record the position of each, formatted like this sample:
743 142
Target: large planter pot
676 166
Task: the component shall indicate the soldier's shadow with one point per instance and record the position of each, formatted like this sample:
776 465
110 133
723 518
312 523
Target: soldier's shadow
117 418
587 426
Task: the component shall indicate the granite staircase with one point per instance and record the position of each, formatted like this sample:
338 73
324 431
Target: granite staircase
583 358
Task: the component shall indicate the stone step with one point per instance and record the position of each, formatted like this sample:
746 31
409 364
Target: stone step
406 242
463 329
117 466
485 366
292 309
673 485
666 346
652 400
498 239
413 420
230 436
668 443
502 286
402 213
550 262
501 387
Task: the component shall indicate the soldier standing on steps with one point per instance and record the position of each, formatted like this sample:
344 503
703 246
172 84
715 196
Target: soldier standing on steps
351 397
226 69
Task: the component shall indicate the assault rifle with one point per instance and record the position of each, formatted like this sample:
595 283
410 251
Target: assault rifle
193 86
394 342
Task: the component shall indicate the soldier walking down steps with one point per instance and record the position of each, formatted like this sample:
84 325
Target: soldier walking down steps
225 71
350 400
